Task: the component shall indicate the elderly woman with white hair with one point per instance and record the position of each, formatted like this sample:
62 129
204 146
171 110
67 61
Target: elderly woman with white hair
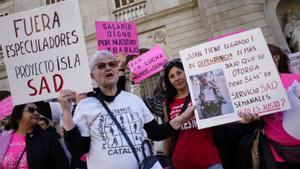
92 129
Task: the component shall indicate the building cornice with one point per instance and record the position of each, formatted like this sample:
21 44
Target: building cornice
90 37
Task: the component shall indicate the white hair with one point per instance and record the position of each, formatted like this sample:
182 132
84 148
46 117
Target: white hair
98 56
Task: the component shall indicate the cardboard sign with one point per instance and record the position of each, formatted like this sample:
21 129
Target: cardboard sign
117 37
239 71
294 62
148 64
44 52
6 107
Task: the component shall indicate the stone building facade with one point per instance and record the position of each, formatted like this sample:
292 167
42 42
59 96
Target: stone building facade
174 24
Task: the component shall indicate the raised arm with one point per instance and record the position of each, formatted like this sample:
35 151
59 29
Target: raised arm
76 143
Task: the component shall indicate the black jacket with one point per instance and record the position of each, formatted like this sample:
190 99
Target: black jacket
44 151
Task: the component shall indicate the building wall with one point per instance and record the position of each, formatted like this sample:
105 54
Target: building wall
225 16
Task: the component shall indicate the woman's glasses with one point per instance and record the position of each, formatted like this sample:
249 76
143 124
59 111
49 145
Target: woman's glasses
102 65
172 62
32 110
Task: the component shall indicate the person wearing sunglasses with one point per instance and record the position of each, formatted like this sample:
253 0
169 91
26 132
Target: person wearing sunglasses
92 130
191 148
27 145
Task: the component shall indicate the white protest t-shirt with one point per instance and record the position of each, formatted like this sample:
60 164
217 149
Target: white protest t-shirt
109 149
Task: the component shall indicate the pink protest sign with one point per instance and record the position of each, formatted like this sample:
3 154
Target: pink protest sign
291 117
227 34
117 37
148 64
6 107
288 79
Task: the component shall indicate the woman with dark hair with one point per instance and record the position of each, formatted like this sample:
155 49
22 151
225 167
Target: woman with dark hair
273 127
155 102
155 105
273 124
28 146
281 60
193 148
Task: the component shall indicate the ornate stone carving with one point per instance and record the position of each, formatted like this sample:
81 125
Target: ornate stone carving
159 36
292 30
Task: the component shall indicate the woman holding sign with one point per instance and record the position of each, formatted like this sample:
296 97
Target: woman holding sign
27 145
193 148
100 118
284 147
273 124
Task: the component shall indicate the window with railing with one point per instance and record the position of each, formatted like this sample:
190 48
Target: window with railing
122 3
128 10
48 2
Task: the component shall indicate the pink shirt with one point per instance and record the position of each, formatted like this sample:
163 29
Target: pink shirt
273 127
13 153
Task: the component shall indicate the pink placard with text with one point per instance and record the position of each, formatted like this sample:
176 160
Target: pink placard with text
148 64
117 37
6 107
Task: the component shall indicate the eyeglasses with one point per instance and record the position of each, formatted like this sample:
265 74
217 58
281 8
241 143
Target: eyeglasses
102 65
32 110
172 62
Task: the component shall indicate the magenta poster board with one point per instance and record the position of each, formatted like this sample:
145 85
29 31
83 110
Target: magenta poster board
291 117
117 37
6 106
148 64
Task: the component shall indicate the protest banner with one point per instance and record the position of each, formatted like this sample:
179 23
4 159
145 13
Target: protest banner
6 107
233 75
148 64
117 37
294 62
44 52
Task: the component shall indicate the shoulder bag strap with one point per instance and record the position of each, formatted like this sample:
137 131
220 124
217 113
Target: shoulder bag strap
147 143
120 128
186 103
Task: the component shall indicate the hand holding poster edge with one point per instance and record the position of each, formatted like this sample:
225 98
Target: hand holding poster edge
194 62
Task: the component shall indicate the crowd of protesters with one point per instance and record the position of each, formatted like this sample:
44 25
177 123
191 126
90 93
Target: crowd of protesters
77 132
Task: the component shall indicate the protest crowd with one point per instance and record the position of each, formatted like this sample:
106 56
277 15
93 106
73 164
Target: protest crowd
113 126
